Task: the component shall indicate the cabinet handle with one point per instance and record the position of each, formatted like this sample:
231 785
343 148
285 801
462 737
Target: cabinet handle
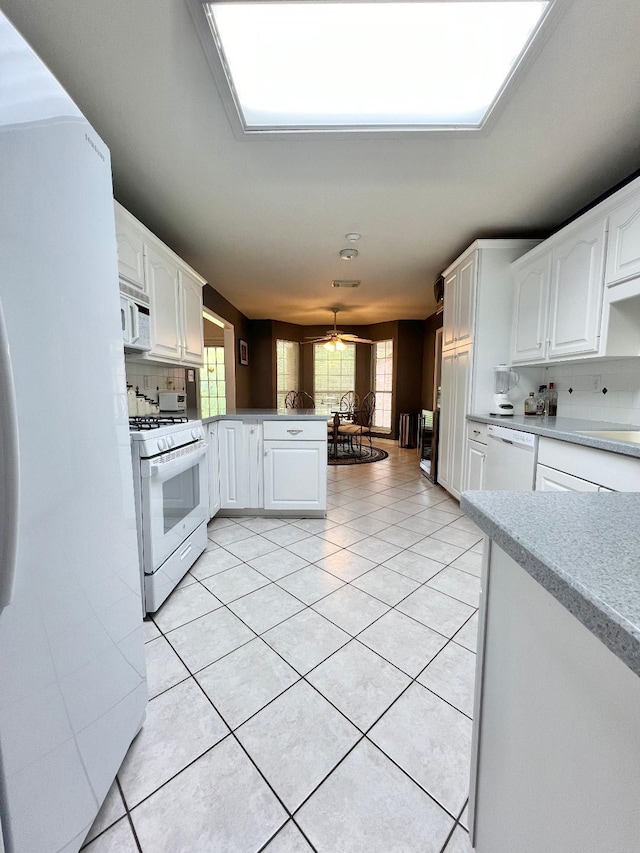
539 344
476 432
294 431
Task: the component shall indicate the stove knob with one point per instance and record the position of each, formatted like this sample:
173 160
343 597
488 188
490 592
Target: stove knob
195 433
162 444
171 441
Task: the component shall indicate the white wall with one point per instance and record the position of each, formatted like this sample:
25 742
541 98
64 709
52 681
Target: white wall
148 376
621 378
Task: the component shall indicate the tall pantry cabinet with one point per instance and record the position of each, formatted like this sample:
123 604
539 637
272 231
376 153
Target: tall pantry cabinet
476 336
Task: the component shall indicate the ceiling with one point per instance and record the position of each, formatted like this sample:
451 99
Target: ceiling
263 219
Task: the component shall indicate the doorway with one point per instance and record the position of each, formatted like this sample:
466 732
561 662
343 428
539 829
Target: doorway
217 387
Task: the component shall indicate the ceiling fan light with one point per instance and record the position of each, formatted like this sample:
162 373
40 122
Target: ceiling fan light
330 345
339 344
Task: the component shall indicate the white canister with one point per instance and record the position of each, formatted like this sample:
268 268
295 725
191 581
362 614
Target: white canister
132 405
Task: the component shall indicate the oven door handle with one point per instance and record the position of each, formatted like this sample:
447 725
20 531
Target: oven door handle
156 469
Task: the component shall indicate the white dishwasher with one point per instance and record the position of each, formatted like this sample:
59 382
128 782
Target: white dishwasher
511 459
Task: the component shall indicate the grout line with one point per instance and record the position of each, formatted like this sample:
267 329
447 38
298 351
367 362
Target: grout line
351 637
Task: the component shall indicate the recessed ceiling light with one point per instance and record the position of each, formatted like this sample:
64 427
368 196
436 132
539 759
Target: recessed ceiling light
348 254
419 65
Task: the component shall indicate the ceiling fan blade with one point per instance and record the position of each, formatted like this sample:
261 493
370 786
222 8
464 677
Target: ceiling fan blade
315 340
354 339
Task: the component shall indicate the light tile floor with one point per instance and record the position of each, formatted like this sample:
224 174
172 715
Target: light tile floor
311 682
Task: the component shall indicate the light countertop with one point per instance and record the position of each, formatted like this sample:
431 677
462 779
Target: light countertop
583 548
259 415
567 429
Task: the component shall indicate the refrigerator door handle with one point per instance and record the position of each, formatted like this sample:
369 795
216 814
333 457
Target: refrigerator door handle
9 470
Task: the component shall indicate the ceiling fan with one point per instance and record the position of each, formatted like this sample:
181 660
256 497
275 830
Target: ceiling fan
335 340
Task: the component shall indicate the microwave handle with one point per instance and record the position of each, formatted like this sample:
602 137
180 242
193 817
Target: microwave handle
135 324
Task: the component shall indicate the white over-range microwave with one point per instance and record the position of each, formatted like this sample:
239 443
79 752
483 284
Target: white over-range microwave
135 319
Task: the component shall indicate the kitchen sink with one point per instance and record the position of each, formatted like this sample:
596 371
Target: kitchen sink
614 434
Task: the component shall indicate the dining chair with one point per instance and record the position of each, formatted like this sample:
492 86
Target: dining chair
361 423
305 401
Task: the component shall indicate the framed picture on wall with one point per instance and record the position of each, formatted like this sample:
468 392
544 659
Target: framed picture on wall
243 352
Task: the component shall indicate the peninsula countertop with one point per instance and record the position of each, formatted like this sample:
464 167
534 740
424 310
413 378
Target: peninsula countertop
583 548
260 415
567 429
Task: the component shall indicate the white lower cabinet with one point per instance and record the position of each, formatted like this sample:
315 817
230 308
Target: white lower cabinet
272 466
555 727
550 480
563 466
233 464
295 475
214 469
476 459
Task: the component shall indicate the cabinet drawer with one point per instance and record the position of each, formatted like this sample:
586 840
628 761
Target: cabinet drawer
295 430
477 432
611 470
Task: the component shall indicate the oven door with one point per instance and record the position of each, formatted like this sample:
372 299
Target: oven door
175 501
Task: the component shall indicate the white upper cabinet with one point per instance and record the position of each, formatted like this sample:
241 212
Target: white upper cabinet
191 308
575 305
162 275
174 291
531 299
577 295
623 252
449 318
130 250
459 302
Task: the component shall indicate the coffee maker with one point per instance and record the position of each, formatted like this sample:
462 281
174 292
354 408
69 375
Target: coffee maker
503 380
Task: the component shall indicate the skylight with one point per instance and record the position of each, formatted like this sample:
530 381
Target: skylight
380 65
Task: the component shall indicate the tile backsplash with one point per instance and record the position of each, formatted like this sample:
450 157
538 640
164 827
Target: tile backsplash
148 376
581 390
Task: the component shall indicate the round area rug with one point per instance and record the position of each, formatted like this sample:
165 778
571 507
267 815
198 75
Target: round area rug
346 456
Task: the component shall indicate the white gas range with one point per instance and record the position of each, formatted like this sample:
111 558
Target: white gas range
171 492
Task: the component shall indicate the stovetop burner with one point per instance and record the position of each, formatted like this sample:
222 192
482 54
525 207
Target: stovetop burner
147 422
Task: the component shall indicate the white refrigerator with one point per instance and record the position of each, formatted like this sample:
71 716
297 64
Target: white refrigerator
72 671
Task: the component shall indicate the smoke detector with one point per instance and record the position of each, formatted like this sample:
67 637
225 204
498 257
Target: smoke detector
353 236
343 283
348 254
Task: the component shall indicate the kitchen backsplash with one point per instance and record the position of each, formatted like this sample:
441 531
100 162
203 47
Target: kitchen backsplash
147 377
581 390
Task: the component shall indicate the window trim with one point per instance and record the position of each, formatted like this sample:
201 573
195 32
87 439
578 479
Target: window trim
392 393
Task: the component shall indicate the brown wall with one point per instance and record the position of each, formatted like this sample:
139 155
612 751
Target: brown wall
241 327
431 325
413 342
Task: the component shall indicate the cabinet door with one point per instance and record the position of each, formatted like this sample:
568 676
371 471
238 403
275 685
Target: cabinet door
191 317
130 253
162 276
462 374
456 369
550 480
577 276
253 466
623 250
295 475
447 415
233 464
465 302
476 458
530 311
449 312
214 469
